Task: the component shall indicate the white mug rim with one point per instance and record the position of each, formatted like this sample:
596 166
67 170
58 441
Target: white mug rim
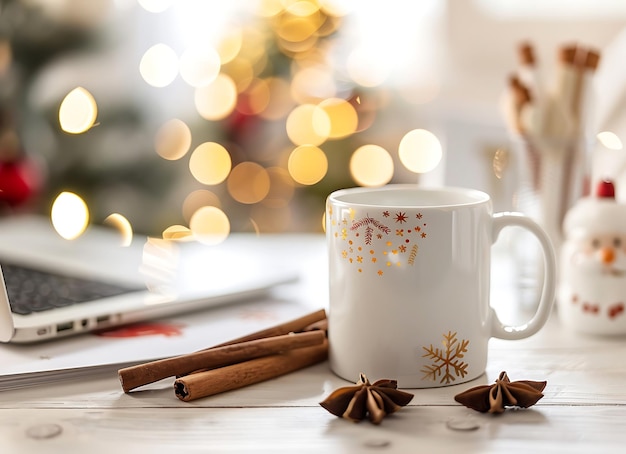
471 197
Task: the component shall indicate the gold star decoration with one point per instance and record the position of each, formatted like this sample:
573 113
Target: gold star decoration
502 394
366 400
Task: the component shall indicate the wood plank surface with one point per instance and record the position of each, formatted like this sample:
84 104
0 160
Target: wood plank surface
557 429
583 410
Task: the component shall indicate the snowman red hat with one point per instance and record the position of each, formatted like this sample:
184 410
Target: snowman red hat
596 214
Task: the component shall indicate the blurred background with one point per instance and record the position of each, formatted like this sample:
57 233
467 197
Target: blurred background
169 117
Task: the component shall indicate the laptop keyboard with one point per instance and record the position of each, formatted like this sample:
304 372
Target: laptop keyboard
32 290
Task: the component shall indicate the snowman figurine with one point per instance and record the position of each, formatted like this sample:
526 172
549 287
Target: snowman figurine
592 288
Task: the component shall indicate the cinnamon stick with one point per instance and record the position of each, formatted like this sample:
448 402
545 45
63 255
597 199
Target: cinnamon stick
145 373
211 382
292 326
139 375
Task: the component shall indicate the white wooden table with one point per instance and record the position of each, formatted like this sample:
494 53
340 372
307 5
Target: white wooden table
584 408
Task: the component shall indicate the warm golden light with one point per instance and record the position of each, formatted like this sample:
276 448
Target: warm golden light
500 162
371 165
307 164
254 49
343 118
173 139
69 215
240 70
610 140
210 163
280 102
248 183
123 226
269 8
257 98
199 67
78 111
420 151
198 199
230 44
210 225
302 8
296 29
313 84
216 100
159 65
177 232
300 129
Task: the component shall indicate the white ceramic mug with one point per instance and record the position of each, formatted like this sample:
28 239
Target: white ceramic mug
409 283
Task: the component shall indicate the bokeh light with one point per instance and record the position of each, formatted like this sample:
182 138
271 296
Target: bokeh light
240 71
69 215
610 140
500 162
299 24
280 102
343 118
254 49
178 232
313 84
297 28
173 139
420 151
230 44
269 8
159 65
248 183
255 99
197 199
199 67
300 128
371 165
307 164
210 225
210 163
216 100
123 226
78 111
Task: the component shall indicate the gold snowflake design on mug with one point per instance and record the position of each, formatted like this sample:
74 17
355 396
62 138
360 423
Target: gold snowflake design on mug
385 240
446 363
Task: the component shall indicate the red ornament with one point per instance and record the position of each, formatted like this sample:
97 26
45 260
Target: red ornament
605 189
19 180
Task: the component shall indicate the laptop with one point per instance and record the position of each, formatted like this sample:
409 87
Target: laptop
51 287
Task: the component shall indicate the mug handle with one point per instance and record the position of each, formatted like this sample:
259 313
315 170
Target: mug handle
548 292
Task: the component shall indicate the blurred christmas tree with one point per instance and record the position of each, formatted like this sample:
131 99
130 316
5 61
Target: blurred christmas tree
36 35
295 119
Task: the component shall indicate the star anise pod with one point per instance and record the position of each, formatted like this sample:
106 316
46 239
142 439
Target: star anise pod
367 400
504 393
